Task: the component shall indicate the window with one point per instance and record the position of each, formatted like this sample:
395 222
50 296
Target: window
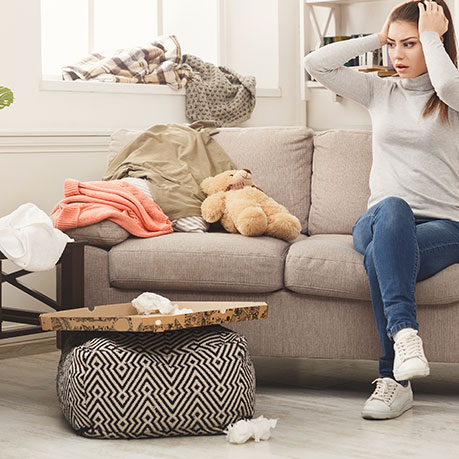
240 34
196 26
71 29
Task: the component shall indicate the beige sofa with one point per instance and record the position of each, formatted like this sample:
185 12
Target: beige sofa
316 287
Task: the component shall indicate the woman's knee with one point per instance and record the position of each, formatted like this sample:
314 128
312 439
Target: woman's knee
438 243
395 209
395 204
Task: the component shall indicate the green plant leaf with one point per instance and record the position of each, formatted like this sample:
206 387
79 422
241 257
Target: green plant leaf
6 97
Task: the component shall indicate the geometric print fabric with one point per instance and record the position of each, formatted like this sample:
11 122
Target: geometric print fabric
141 385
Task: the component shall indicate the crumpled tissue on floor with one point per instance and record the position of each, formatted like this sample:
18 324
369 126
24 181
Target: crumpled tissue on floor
243 430
152 303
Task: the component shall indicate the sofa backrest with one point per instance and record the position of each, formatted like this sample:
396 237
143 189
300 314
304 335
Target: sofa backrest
340 175
280 159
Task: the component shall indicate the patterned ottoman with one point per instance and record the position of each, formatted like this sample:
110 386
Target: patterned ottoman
139 385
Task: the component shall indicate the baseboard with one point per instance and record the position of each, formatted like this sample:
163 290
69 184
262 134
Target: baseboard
346 374
19 346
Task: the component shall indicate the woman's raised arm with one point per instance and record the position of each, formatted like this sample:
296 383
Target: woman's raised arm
443 74
326 65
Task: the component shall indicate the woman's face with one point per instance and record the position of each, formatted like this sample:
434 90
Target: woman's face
405 48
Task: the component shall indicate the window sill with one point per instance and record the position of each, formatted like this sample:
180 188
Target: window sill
129 88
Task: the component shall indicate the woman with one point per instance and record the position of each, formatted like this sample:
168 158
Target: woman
411 228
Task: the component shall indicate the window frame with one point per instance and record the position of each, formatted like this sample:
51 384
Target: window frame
52 82
221 31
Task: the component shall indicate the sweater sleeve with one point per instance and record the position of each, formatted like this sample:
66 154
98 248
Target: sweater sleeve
442 72
326 65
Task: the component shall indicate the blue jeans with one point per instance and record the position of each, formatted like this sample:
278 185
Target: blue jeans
400 250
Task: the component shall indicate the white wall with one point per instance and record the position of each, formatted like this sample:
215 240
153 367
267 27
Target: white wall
33 174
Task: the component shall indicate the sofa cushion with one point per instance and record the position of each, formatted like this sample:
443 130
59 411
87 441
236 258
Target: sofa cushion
279 157
199 261
120 139
340 180
101 234
328 265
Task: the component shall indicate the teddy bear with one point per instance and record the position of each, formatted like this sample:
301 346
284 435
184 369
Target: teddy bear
244 208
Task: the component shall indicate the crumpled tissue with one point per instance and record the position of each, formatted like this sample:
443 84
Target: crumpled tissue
152 303
243 430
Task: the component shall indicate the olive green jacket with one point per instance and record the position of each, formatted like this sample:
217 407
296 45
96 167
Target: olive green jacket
174 159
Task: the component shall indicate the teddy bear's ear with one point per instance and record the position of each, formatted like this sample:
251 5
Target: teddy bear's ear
205 184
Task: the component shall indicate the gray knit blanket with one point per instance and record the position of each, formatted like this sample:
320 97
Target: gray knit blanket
218 93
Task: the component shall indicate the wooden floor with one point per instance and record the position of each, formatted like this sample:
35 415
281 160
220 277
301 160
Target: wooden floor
321 420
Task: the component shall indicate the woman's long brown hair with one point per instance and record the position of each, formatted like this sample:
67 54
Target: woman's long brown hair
409 12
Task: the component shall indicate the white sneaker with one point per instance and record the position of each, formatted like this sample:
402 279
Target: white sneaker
410 361
389 400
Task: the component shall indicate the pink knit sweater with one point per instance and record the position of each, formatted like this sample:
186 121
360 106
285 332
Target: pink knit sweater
86 203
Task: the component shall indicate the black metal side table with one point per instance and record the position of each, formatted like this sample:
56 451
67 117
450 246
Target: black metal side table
70 292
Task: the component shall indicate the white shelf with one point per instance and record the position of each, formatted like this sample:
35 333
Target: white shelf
309 22
314 84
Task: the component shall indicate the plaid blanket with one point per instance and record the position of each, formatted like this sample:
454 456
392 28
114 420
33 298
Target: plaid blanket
158 62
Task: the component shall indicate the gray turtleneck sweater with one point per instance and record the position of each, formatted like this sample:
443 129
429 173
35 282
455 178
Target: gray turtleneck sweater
414 158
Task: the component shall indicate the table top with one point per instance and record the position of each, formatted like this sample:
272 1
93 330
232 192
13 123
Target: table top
124 317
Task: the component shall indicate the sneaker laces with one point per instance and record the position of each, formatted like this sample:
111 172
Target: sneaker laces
409 347
384 390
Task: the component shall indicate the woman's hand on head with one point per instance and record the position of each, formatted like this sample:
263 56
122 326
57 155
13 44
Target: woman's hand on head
385 28
432 18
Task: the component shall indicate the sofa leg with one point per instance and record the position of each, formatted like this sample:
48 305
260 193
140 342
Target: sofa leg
70 284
